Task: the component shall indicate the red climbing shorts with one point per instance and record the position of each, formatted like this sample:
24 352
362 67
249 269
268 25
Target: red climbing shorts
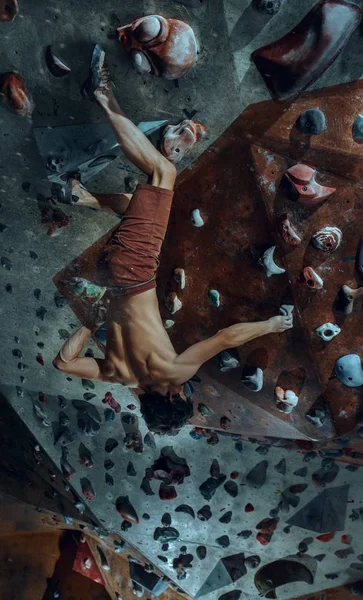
130 259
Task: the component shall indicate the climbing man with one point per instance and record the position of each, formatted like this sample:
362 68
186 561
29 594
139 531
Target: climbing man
138 352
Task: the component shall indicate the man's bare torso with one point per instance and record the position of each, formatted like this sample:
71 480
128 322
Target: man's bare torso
138 351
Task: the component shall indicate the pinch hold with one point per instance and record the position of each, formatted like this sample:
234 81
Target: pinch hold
286 400
286 309
196 218
302 180
310 279
328 331
254 382
179 276
288 232
227 362
55 65
269 264
173 303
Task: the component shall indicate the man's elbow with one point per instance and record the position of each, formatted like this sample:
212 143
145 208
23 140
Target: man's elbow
59 364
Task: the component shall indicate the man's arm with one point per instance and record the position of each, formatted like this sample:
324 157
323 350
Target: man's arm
69 361
188 363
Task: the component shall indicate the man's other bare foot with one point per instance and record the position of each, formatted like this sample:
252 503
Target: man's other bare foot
280 324
98 84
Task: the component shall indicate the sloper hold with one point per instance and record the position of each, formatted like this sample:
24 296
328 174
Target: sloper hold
280 572
185 508
311 121
257 476
126 510
289 65
55 65
324 513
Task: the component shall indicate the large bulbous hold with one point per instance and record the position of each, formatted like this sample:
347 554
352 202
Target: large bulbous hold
327 239
15 95
349 371
178 140
164 47
8 10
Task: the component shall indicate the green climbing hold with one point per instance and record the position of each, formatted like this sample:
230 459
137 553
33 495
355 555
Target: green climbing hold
204 410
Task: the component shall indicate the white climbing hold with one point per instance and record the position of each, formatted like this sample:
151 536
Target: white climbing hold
196 218
173 303
215 297
269 264
286 400
286 309
328 331
254 382
179 276
42 416
168 323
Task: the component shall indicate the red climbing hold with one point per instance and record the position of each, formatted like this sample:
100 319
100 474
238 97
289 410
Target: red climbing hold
42 398
131 406
234 475
264 538
110 400
326 537
346 539
249 508
40 359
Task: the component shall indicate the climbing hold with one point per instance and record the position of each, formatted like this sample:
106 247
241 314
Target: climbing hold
239 447
349 371
41 416
8 10
37 293
39 358
146 487
201 552
185 508
168 323
172 302
254 382
150 441
347 539
178 140
319 557
109 480
223 541
15 95
310 279
325 537
264 538
204 410
215 469
249 508
231 488
227 362
66 467
234 594
110 445
253 561
164 47
328 331
305 187
269 264
226 518
357 131
257 476
327 239
347 296
245 534
281 467
166 520
301 472
311 121
126 510
63 419
225 423
165 535
317 417
269 7
109 415
110 400
87 489
196 218
287 231
55 65
208 488
167 492
310 456
286 400
179 276
234 475
214 297
205 513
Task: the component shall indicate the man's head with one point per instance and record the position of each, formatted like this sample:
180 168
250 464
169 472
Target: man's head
165 414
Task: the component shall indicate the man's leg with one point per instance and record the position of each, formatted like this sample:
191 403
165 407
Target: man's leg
113 203
135 145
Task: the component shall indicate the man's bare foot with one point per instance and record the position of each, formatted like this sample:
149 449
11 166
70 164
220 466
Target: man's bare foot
98 84
280 324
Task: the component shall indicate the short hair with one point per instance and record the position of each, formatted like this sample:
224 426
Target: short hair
164 414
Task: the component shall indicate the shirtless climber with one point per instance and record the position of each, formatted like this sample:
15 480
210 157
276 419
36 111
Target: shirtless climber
139 353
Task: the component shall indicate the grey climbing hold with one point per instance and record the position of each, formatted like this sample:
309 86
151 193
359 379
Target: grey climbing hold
208 488
201 552
205 513
150 441
166 534
301 472
269 264
231 488
269 7
130 470
179 276
357 131
146 487
110 445
311 121
215 469
245 534
254 382
252 561
214 297
185 508
281 467
227 362
226 518
223 541
257 476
